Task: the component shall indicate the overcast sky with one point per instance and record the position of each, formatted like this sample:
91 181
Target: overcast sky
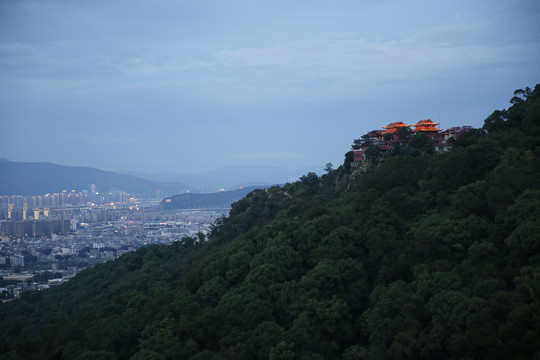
190 86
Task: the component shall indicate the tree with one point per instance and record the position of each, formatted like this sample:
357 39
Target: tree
422 143
403 133
329 167
309 179
373 152
246 306
496 121
366 139
349 158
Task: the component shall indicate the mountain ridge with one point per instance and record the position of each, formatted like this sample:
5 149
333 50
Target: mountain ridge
231 177
35 178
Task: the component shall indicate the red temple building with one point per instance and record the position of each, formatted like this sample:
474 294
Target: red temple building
427 127
445 138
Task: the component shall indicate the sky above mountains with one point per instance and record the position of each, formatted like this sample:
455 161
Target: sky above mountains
192 86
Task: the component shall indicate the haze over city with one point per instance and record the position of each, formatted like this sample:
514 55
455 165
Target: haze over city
150 87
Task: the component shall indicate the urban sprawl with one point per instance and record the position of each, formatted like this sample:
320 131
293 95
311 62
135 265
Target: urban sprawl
47 239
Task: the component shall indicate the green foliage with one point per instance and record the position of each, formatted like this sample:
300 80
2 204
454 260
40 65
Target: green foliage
421 143
419 255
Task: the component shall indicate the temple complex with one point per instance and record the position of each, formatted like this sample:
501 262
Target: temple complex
399 132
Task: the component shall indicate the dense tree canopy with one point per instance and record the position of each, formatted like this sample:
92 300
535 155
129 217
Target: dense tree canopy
422 255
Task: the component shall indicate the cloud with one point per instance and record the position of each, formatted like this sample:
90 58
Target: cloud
15 54
343 65
105 140
332 67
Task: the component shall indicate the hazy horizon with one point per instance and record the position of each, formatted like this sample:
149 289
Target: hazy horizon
186 87
225 178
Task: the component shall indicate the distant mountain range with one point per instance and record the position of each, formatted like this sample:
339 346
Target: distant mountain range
232 177
18 178
22 178
221 199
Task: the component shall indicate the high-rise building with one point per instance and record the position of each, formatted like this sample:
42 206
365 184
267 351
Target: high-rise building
10 211
25 212
73 224
34 228
16 260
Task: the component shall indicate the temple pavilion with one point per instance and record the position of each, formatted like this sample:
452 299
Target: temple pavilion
393 127
426 126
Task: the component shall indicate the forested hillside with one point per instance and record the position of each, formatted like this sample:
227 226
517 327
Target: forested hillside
418 255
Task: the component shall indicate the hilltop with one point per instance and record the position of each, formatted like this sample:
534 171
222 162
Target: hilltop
417 254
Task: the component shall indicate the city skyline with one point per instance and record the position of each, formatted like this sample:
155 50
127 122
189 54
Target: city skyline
192 87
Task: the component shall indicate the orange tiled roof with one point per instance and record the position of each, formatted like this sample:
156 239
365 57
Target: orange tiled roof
426 125
392 127
395 124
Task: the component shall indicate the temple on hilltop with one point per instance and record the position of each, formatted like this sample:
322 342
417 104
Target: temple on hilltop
386 139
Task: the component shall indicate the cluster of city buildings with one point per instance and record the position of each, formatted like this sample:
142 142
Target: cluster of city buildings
400 133
67 232
19 207
35 228
67 198
57 213
14 291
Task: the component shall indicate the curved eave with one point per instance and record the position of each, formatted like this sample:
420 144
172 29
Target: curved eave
430 129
